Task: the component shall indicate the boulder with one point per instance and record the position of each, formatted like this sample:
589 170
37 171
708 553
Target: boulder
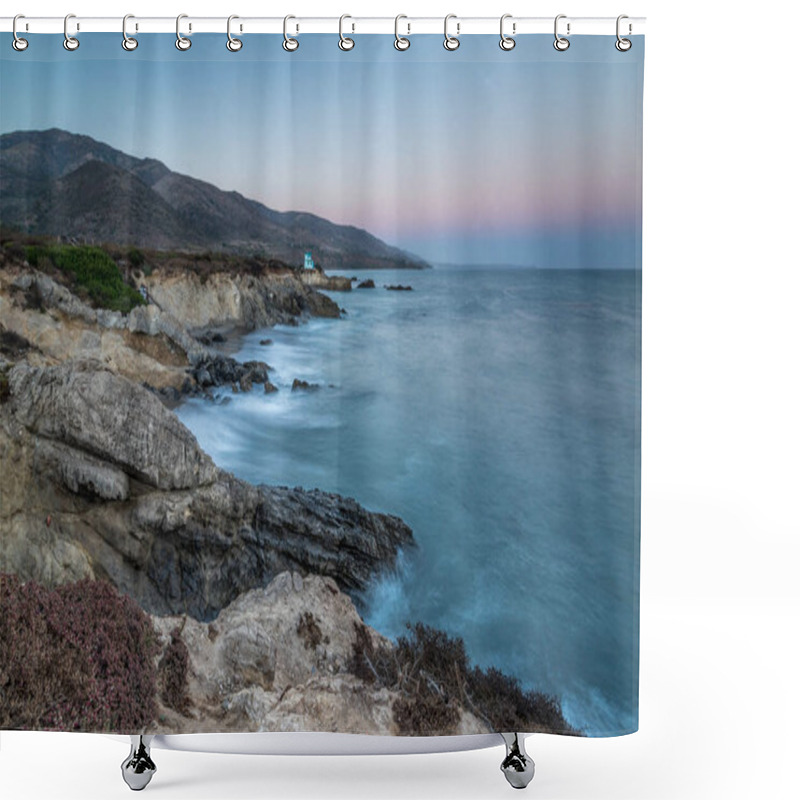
305 386
130 496
278 658
95 412
218 370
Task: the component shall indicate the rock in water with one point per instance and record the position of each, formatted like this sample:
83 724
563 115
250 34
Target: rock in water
133 498
367 284
217 370
305 386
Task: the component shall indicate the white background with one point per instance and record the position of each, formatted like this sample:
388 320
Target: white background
720 530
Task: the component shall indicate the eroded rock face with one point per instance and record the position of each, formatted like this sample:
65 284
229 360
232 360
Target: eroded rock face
147 345
98 413
101 479
153 344
240 300
276 659
320 280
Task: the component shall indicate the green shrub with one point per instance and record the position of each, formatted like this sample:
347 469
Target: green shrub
79 657
92 270
135 257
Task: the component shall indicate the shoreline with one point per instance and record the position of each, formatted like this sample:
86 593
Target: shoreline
153 515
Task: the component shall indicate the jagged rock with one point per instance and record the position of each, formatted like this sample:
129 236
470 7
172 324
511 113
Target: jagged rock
320 280
153 321
277 659
147 345
367 284
297 384
94 411
217 370
257 370
203 377
79 472
211 337
41 291
223 299
12 345
399 288
153 343
133 498
269 388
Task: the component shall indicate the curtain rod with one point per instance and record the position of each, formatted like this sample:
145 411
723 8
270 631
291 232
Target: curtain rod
407 25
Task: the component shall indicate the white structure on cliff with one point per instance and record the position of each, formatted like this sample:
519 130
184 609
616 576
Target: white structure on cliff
309 261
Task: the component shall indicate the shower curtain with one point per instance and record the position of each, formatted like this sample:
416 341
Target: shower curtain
320 385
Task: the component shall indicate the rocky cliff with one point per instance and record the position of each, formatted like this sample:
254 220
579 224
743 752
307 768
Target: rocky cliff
222 299
156 344
330 283
278 659
101 479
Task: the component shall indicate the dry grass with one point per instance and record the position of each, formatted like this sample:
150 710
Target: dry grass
432 674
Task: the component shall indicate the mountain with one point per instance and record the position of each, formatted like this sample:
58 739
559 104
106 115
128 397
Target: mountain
63 184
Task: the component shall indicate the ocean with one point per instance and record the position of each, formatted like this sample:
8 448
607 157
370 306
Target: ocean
496 410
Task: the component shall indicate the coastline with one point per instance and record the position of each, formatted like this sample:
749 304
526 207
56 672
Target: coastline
108 484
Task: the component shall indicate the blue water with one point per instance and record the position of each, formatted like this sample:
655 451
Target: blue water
497 412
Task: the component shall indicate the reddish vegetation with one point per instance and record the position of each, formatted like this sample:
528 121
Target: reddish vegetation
432 674
77 657
173 671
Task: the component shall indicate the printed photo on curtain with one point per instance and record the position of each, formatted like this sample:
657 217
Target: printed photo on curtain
320 385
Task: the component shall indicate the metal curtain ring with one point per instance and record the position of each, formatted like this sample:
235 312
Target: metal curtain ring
561 43
128 42
507 42
233 44
401 42
623 45
290 44
345 42
18 43
451 42
181 41
70 42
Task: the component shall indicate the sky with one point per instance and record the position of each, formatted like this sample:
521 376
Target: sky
527 157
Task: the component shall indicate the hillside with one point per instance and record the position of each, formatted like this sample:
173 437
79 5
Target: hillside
61 184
